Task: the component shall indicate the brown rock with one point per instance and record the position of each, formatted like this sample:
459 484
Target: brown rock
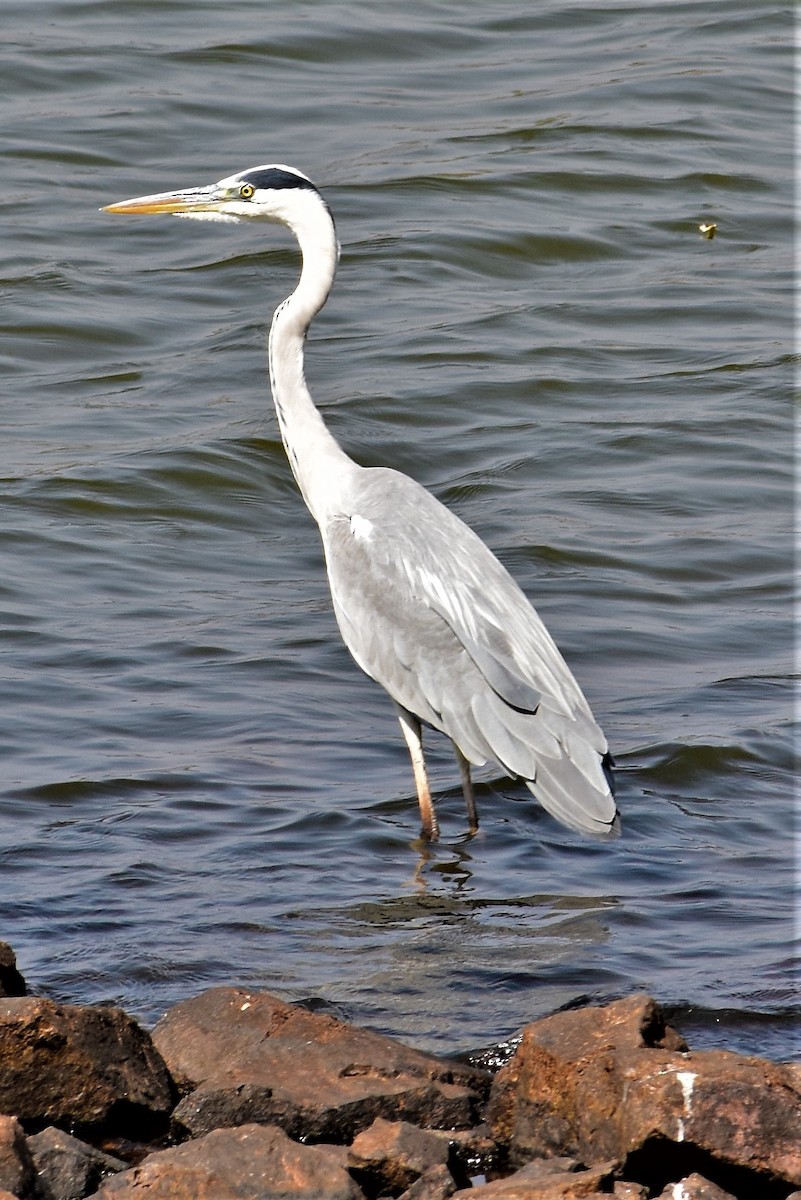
391 1155
608 1084
11 982
471 1152
254 1162
695 1187
434 1184
538 1105
544 1180
634 1023
623 1190
745 1112
247 1056
64 1064
17 1173
67 1168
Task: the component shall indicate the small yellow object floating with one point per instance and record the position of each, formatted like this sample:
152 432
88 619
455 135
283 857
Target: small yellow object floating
708 229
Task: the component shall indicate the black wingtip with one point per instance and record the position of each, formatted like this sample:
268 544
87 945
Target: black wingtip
614 831
607 763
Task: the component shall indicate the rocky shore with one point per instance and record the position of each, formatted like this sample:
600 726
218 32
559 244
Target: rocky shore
237 1095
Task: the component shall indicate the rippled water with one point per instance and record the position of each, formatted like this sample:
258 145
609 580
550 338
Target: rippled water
198 786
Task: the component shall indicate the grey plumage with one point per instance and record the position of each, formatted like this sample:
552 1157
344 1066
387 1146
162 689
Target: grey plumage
423 605
428 611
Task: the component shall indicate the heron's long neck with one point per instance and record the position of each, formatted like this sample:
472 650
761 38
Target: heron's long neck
317 461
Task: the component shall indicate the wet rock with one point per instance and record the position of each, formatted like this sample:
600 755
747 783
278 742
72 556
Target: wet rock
17 1172
69 1169
635 1023
391 1155
80 1067
254 1162
247 1056
11 982
611 1084
471 1152
544 1179
695 1187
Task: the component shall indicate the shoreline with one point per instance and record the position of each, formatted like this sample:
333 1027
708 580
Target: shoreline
236 1094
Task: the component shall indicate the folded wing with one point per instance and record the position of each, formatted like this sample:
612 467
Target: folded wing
428 612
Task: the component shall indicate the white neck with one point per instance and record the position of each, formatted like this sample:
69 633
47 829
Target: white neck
317 461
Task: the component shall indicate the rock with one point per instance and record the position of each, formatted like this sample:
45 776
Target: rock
745 1113
391 1155
695 1187
246 1056
470 1151
434 1184
17 1172
254 1162
623 1190
611 1083
613 1086
80 1067
634 1023
539 1105
546 1179
68 1169
11 982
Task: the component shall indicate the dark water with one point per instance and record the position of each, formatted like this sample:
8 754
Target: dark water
198 786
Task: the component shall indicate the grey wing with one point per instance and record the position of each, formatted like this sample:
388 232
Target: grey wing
427 611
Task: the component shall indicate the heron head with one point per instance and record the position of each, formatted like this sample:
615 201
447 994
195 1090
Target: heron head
267 193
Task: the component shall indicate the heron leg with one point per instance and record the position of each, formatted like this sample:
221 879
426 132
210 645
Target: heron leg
467 789
412 732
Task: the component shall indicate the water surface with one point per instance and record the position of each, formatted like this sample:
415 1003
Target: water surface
198 786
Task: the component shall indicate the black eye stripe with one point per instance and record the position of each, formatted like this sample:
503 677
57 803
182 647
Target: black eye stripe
274 177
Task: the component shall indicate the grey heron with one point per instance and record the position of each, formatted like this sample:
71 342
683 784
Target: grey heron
425 608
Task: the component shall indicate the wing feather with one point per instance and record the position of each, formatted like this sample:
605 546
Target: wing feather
429 613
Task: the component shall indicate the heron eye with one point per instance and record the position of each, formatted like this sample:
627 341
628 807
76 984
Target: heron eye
246 191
